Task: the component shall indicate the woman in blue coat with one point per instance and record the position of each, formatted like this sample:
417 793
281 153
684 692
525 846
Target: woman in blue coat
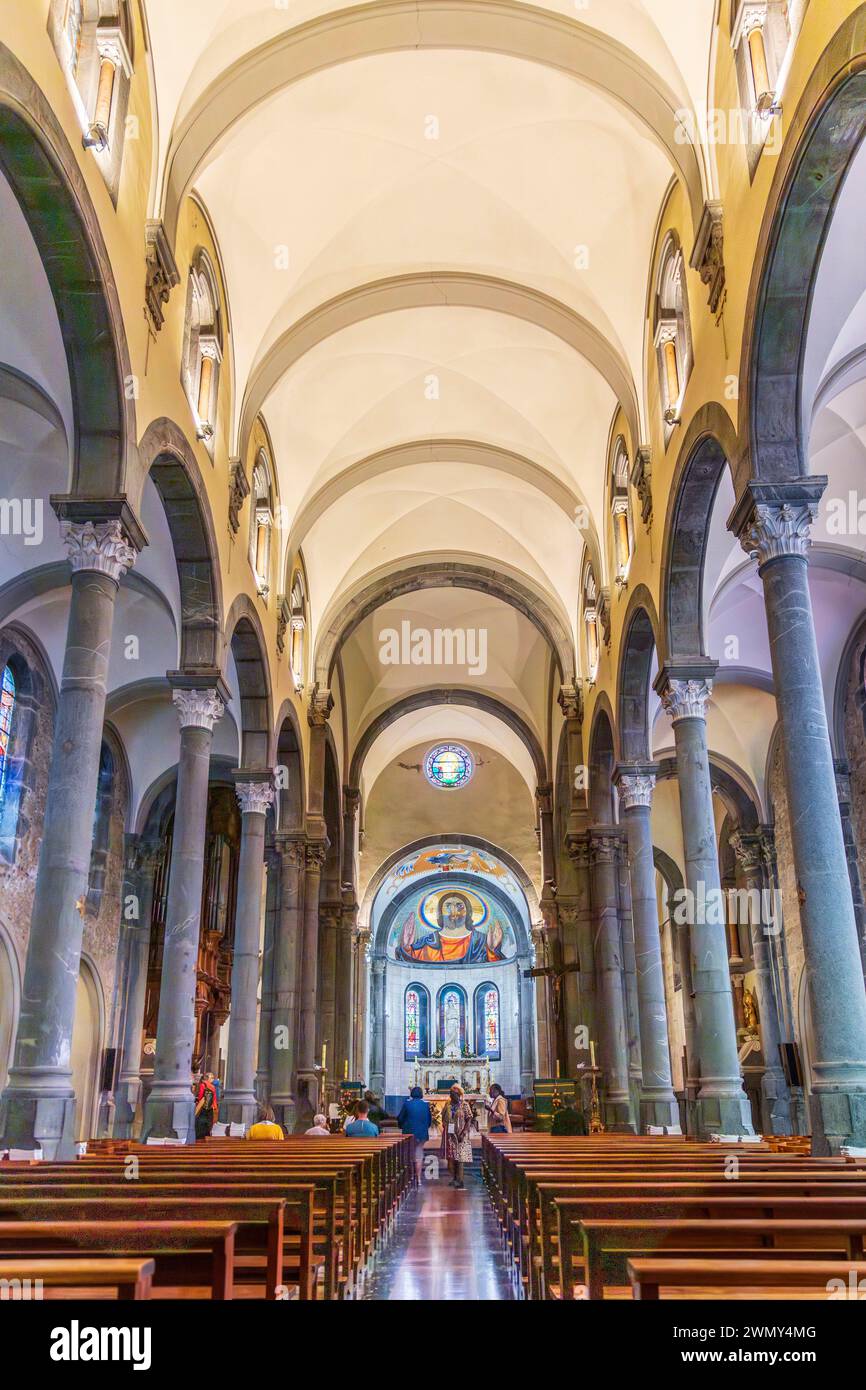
415 1118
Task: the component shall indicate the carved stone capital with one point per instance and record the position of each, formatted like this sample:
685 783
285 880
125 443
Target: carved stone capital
641 481
778 529
255 797
162 273
101 546
198 709
239 490
747 851
316 853
292 851
571 702
606 846
636 789
284 613
321 704
602 608
686 699
351 800
330 914
708 254
577 847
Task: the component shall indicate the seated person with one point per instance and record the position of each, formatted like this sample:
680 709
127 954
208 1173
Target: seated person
361 1127
266 1126
319 1126
568 1121
375 1111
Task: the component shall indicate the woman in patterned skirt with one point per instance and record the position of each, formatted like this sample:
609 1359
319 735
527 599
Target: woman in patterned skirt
457 1122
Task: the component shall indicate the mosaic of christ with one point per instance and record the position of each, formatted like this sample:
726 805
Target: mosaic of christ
453 927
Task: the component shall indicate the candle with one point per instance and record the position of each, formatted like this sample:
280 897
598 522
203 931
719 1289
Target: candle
591 1053
346 1070
324 1054
557 1068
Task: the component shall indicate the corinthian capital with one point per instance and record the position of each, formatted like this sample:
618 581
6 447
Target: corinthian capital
321 704
686 699
255 797
778 529
636 789
102 546
198 709
747 851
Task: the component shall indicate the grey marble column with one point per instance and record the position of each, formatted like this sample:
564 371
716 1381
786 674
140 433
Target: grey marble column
266 1011
545 1055
377 1025
309 1064
37 1110
284 1020
255 797
775 1096
605 849
344 991
774 523
169 1111
722 1106
330 915
526 998
629 983
138 888
362 945
658 1105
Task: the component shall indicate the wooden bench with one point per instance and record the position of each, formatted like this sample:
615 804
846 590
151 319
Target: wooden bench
131 1278
649 1277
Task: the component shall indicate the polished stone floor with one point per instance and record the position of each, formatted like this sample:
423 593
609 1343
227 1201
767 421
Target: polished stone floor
445 1245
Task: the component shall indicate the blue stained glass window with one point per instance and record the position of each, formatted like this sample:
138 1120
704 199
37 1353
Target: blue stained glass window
449 765
7 705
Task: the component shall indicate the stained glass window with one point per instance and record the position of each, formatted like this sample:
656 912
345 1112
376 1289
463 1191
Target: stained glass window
416 1013
488 1039
7 704
491 1021
449 765
72 26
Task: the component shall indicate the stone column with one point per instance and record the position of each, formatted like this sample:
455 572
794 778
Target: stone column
629 983
309 1064
255 797
169 1112
775 1097
526 996
142 859
361 947
38 1106
658 1105
722 1105
272 903
377 1025
291 850
773 522
330 915
545 1056
344 1011
605 848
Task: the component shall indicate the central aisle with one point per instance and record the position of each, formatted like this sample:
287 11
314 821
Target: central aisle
445 1246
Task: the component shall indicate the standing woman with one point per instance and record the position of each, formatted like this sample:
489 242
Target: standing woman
457 1125
415 1118
499 1121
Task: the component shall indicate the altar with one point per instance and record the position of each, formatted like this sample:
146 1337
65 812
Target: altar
436 1074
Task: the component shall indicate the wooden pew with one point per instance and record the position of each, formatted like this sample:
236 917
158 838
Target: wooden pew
131 1278
603 1247
184 1253
728 1277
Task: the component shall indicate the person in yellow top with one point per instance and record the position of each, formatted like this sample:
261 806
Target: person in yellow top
266 1126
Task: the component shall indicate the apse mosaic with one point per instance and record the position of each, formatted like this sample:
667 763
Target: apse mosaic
451 926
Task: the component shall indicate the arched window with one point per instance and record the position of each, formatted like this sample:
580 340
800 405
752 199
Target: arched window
762 35
416 1023
451 1020
73 22
673 339
298 621
488 1038
7 710
203 346
591 623
93 40
262 523
623 533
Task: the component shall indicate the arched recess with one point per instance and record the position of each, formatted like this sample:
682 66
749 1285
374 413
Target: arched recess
345 615
87 1036
740 798
10 1001
507 27
47 181
425 699
822 140
601 762
709 446
470 841
432 288
165 454
249 651
640 642
292 794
